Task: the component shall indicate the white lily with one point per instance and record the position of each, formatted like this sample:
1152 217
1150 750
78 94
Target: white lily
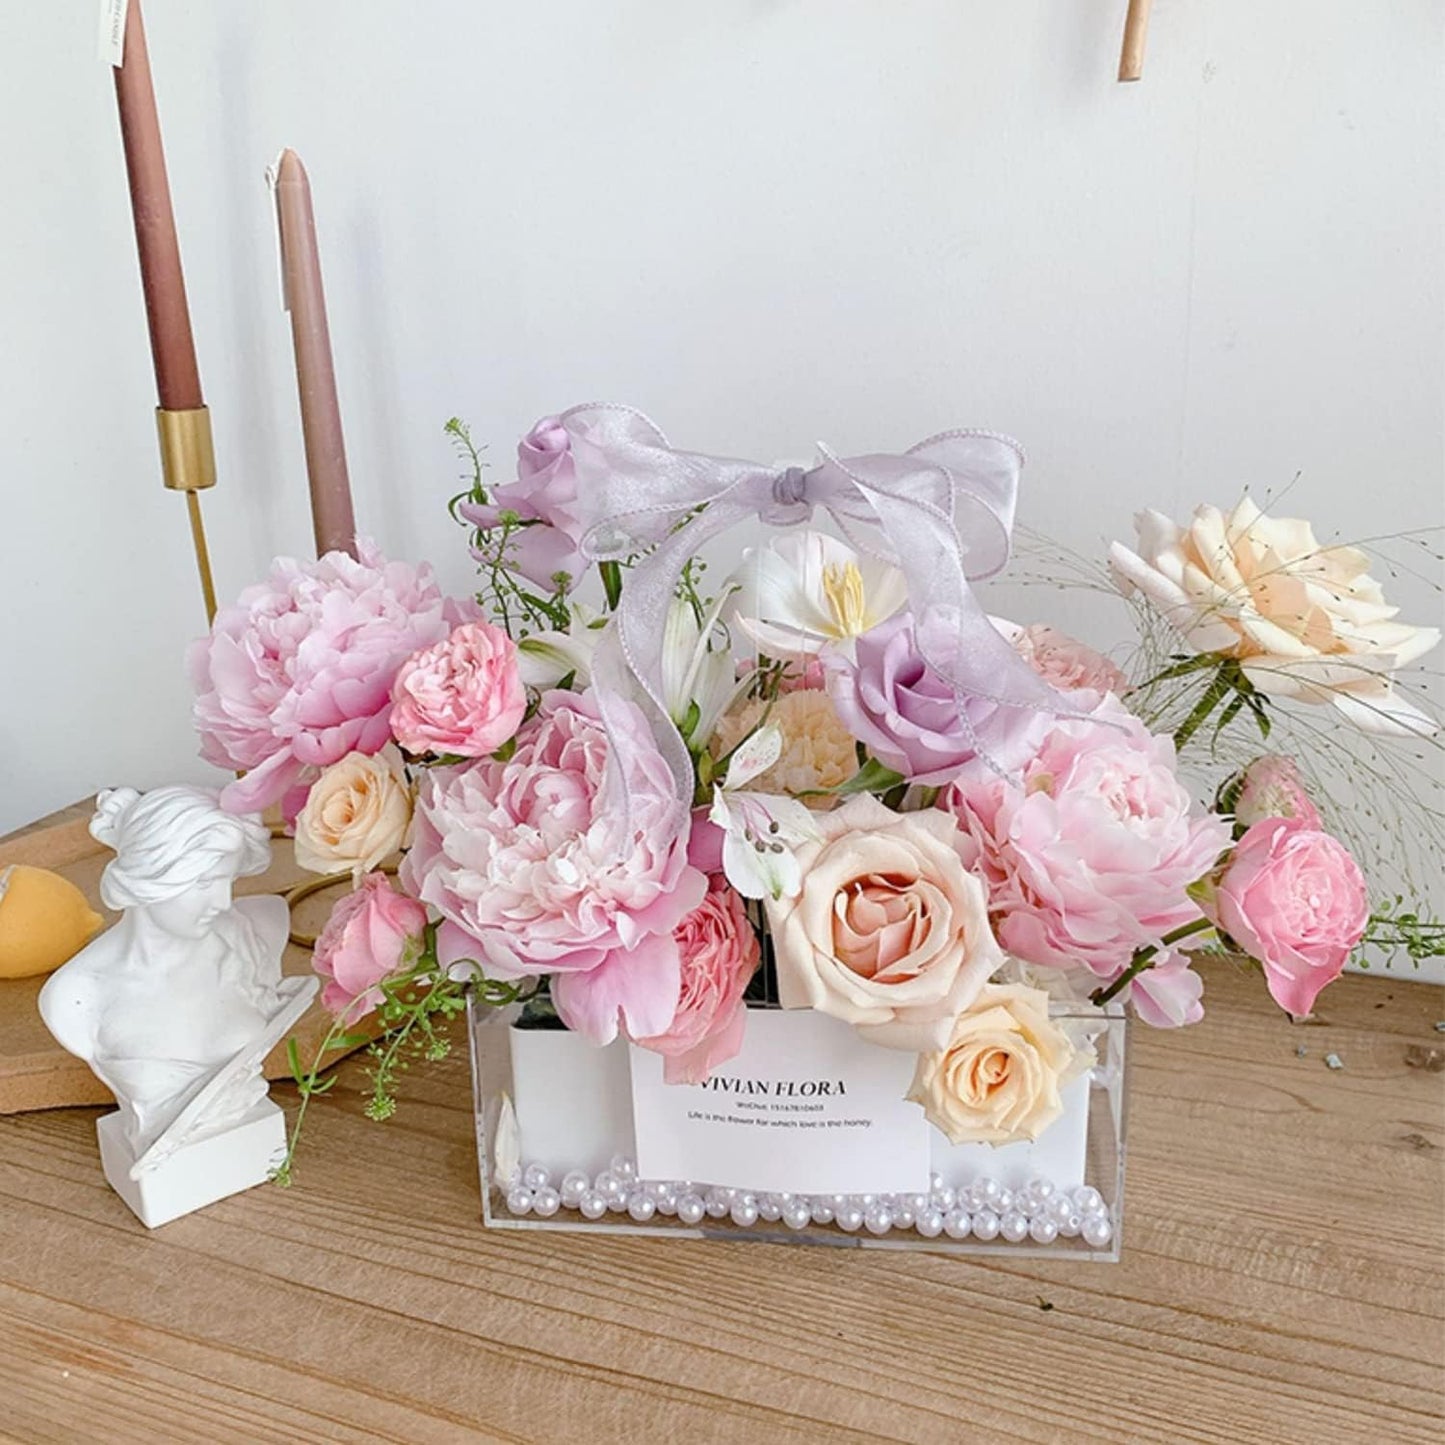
760 832
698 671
545 658
806 591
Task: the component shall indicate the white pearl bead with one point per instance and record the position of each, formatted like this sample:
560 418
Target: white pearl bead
985 1224
691 1209
1070 1225
904 1217
944 1198
929 1222
592 1204
935 1182
718 1202
848 1217
1043 1230
1007 1200
797 1214
1059 1208
623 1167
878 1218
1041 1188
519 1199
770 1208
641 1206
1096 1230
666 1198
744 1212
991 1192
822 1211
865 1201
1087 1199
574 1185
607 1182
958 1223
915 1202
546 1201
534 1176
1013 1226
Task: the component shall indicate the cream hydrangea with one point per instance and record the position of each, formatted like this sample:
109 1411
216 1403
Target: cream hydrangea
1304 621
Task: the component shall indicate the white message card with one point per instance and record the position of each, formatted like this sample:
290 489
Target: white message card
805 1108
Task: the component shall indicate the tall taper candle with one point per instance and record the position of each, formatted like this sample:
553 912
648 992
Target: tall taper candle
332 518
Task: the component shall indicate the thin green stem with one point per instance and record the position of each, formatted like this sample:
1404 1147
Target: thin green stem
611 583
1218 689
1146 958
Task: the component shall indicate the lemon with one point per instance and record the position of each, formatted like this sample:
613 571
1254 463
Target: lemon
44 919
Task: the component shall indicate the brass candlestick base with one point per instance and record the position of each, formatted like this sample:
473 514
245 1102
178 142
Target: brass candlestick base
188 464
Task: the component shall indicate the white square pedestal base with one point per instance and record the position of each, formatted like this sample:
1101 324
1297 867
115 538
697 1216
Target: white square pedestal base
196 1174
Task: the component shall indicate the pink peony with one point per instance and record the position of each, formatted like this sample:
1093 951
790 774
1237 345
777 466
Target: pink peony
1293 898
1272 788
910 719
525 857
298 672
1167 995
1090 858
719 952
1071 666
462 696
366 939
544 496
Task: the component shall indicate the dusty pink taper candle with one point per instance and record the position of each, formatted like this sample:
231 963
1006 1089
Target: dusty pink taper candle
332 518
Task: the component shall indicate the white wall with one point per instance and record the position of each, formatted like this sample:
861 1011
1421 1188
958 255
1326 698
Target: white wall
763 221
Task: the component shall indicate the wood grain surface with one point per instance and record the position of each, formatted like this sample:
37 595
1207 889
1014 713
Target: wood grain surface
1281 1282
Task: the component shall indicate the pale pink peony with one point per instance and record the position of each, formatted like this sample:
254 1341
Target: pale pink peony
1069 665
368 937
527 859
298 672
719 953
1090 858
462 696
1293 898
1167 995
1272 788
544 495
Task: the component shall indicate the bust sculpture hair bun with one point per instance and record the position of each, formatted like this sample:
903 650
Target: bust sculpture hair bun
111 806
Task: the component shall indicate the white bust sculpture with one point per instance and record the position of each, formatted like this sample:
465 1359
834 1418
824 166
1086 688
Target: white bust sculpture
176 1007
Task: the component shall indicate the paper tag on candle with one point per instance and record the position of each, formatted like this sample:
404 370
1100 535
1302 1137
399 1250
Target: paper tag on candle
273 172
112 30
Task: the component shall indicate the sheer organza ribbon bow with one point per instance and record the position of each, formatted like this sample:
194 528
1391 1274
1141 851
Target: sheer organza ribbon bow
942 511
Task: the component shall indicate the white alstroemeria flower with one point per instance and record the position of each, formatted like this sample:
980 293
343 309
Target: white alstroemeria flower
806 591
545 658
698 669
760 832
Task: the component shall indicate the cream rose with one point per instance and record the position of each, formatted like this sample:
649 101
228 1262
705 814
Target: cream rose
998 1077
818 750
889 931
355 814
1304 621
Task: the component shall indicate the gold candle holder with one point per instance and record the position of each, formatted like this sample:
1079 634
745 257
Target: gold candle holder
188 464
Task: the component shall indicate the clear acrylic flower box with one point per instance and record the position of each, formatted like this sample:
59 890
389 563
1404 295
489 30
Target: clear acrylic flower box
557 1144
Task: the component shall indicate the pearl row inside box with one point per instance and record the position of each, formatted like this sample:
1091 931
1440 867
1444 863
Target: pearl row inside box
984 1210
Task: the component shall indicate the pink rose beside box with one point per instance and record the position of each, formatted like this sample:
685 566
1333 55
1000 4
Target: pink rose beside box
813 901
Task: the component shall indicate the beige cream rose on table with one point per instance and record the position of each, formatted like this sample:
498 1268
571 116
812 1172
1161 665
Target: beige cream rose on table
889 931
999 1078
1303 620
356 814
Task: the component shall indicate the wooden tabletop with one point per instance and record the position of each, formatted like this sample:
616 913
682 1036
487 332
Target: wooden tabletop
1281 1281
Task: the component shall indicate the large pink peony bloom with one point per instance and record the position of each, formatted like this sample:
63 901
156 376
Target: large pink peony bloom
720 952
298 672
527 860
461 696
1090 858
1295 899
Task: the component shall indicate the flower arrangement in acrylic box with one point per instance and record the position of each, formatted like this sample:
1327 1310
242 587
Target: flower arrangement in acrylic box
636 799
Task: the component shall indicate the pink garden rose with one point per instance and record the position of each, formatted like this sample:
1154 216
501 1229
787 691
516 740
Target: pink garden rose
910 719
298 672
462 696
1090 858
527 861
366 940
719 954
1272 788
1069 665
1293 898
544 495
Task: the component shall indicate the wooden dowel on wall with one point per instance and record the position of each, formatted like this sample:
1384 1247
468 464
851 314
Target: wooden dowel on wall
1136 33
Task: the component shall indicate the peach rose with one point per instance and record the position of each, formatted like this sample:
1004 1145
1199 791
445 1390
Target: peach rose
818 750
889 931
355 815
998 1077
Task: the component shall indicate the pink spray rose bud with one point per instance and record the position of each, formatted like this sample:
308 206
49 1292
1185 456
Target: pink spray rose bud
462 696
1294 899
719 953
1271 787
367 939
